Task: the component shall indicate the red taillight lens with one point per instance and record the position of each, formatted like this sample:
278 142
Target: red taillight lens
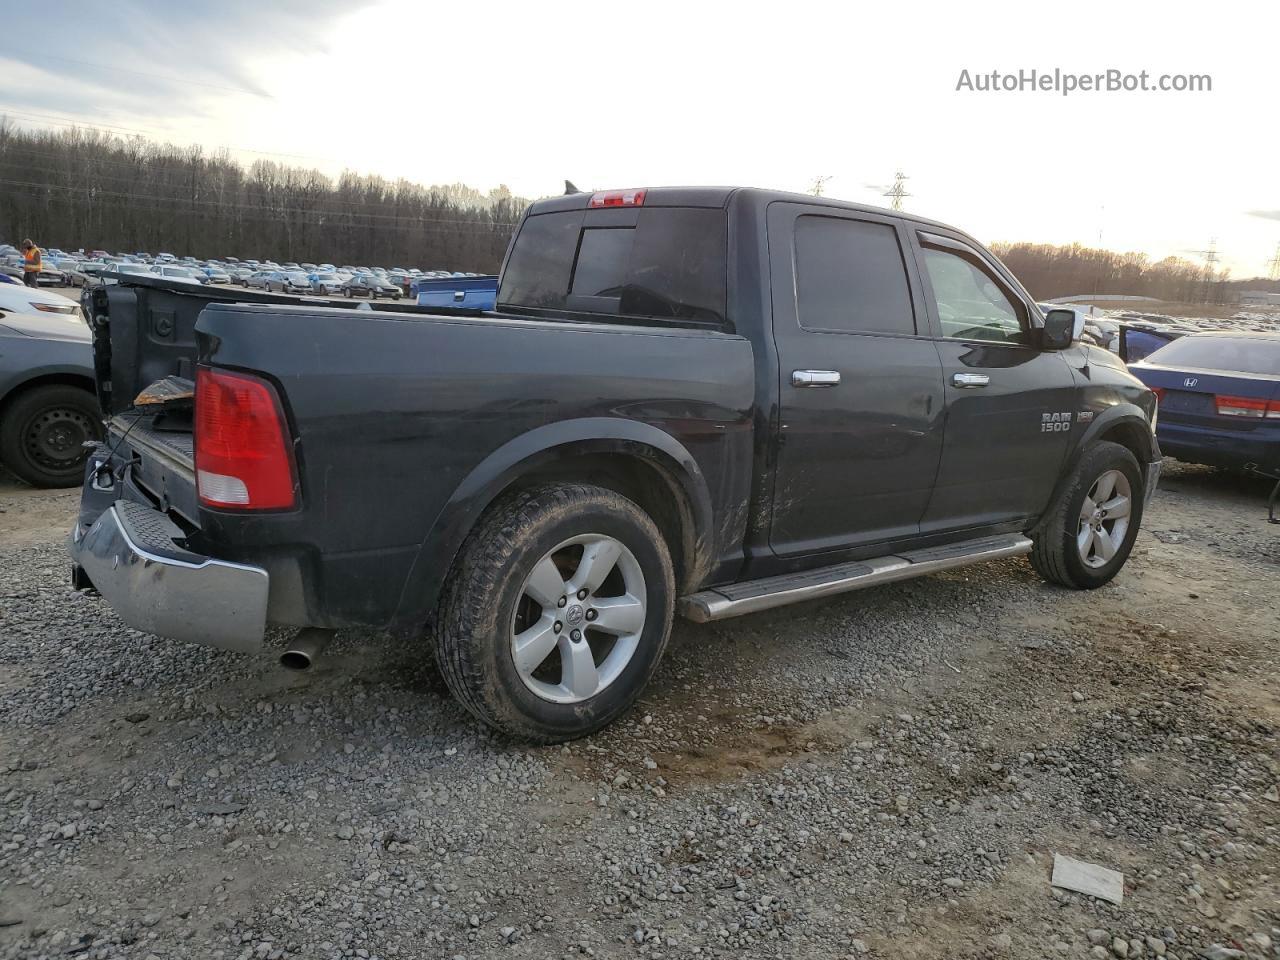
617 198
1240 406
1159 392
244 457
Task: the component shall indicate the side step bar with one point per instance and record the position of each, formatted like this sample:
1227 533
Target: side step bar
753 596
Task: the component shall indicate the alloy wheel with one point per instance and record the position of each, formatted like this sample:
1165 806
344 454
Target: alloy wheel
1104 519
579 618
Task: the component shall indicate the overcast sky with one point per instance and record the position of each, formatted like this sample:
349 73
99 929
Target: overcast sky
771 95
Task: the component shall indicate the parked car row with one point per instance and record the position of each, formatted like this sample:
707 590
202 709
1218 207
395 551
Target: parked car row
326 279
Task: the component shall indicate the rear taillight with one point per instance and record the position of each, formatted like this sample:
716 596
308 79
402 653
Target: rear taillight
1159 392
617 198
1245 407
244 457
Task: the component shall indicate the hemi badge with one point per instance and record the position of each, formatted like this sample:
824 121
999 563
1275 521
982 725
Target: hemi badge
1084 416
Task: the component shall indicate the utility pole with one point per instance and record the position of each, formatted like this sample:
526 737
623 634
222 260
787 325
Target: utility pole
897 191
818 184
1274 265
1211 258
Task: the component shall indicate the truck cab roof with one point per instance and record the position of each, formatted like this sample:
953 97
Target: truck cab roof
720 197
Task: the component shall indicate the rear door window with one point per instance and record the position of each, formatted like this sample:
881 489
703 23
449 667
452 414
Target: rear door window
851 278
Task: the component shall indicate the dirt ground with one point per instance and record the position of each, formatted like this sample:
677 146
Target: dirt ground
885 774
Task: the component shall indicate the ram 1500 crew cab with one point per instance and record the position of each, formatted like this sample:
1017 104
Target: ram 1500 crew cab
709 401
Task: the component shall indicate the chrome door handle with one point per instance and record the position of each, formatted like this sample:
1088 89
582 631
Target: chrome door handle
815 378
969 381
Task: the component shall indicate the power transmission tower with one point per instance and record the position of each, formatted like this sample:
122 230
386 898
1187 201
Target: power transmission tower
818 184
1274 265
897 191
1211 259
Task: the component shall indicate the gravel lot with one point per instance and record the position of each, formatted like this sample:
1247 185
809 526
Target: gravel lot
887 774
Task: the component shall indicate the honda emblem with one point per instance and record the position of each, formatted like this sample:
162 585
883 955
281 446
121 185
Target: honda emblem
1190 381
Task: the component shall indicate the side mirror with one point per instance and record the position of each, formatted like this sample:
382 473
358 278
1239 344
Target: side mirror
1059 329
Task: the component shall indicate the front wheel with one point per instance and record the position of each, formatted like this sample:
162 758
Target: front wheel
1089 531
556 613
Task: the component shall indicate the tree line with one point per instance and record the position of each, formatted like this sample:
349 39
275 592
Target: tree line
1049 271
86 188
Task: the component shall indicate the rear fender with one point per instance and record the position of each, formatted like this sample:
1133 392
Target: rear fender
529 453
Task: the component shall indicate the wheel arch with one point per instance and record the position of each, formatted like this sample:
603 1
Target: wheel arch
1125 424
49 376
638 460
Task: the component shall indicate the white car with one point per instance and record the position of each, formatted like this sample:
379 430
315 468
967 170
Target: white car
16 298
125 269
181 274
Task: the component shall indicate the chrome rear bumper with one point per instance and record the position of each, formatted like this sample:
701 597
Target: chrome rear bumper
132 557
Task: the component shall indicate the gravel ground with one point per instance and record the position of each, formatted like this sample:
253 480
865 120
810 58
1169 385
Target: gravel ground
887 774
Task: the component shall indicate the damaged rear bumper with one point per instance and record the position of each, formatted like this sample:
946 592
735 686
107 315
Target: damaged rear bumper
131 555
1151 480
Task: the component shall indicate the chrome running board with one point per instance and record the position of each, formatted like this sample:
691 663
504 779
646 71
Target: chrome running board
718 603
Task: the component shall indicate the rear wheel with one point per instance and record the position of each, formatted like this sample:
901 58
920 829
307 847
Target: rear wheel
43 432
556 613
1089 531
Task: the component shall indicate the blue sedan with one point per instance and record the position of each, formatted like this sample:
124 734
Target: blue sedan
1219 398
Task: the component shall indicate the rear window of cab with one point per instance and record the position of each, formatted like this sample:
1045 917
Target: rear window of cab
663 263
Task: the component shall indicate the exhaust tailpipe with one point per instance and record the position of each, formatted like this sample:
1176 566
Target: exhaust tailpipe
306 648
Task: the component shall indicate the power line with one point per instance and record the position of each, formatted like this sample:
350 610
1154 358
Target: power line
298 215
54 120
243 181
897 192
209 157
1211 258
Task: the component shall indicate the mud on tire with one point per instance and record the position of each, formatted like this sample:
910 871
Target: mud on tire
1056 555
503 588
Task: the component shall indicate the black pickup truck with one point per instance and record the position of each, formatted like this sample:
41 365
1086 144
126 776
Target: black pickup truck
710 401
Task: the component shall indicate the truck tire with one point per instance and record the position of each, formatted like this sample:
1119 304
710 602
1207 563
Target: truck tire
43 431
556 613
1087 535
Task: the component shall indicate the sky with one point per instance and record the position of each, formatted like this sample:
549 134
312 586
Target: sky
769 95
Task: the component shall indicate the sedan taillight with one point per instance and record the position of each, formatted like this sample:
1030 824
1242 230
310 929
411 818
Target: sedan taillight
1247 407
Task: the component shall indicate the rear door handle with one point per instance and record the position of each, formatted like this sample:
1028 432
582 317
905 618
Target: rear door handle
969 381
815 378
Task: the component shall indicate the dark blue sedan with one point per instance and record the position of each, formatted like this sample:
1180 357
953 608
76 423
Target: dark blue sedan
1219 398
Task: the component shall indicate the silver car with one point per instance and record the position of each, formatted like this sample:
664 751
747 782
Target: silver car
327 284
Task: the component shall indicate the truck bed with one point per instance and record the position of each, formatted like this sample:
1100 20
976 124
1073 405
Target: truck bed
400 416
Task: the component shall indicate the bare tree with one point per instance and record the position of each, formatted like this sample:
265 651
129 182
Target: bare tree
83 188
